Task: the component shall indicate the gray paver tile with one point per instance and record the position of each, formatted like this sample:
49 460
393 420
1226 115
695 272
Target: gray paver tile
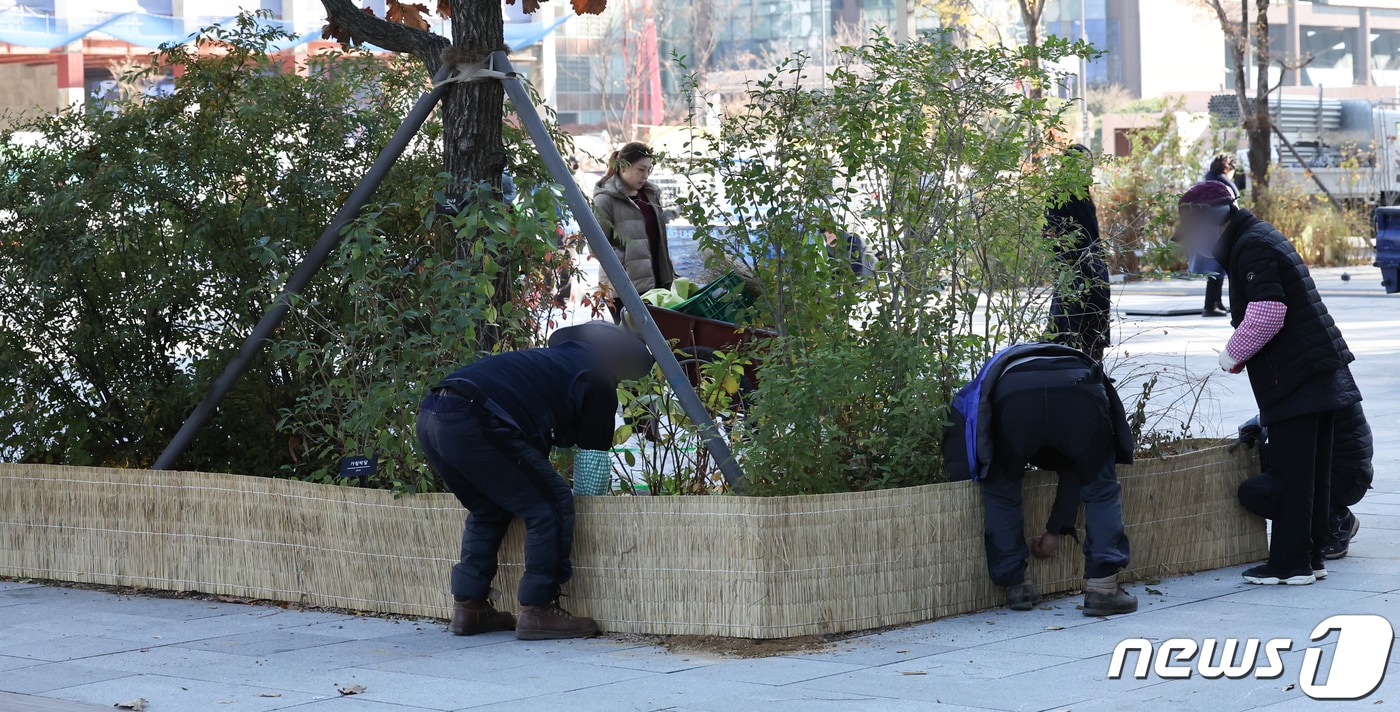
262 643
173 693
666 693
768 671
874 651
435 693
647 659
352 704
359 627
73 647
9 663
531 680
52 676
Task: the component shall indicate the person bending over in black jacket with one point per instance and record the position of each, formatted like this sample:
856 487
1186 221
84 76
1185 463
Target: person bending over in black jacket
1297 363
1051 406
487 430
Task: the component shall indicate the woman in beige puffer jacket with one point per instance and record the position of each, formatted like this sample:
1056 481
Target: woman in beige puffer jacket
628 206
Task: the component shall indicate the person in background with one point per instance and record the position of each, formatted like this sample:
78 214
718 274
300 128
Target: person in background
1222 168
1079 317
628 206
848 249
1297 363
487 430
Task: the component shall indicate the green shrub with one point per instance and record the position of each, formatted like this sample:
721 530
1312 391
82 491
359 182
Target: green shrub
140 243
930 155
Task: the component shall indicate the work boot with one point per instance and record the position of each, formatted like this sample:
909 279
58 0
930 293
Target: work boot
1104 597
551 622
1022 596
1344 529
473 616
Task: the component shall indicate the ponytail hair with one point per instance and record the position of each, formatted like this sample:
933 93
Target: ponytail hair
626 156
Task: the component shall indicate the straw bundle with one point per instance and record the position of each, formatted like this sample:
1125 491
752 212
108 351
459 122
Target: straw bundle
733 566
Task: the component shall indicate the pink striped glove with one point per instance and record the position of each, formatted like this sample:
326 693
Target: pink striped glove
1262 321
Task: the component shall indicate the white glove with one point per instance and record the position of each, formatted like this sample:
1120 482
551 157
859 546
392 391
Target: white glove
1228 362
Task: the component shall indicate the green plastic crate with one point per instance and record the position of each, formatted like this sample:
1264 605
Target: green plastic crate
722 300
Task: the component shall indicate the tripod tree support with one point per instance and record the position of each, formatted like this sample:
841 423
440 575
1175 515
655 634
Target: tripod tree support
582 209
612 266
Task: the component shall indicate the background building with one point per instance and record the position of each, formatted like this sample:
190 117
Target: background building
56 53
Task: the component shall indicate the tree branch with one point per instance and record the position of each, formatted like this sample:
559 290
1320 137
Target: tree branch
389 35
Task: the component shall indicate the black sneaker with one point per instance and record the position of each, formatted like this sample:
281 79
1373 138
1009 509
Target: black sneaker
1344 529
1319 566
1266 575
1211 312
1022 597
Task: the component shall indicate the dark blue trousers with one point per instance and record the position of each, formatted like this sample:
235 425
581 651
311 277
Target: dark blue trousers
1105 544
1053 419
498 476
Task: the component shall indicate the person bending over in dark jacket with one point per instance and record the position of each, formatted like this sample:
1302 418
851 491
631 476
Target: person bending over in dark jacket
1297 363
487 430
1051 406
1352 449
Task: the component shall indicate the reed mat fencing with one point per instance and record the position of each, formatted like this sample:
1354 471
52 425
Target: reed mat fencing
730 566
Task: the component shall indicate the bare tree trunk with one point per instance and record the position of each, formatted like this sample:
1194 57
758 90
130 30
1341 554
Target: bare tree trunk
1258 127
472 150
1031 12
471 118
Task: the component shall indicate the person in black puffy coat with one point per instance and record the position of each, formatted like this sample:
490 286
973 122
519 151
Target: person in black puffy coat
1352 449
1297 363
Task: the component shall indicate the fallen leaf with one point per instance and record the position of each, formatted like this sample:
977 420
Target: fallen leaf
1054 627
1290 686
1153 591
901 651
270 694
137 704
912 672
352 689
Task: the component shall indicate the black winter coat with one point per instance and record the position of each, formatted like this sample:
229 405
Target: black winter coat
1263 266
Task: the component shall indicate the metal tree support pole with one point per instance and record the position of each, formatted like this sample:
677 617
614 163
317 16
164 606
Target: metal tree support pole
330 239
612 266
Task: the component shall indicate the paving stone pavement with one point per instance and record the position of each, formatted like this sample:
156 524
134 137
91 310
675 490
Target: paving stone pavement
71 649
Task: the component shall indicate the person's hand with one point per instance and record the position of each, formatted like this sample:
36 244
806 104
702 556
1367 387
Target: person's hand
1228 362
1046 545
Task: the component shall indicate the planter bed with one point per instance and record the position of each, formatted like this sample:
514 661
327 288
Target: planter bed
730 566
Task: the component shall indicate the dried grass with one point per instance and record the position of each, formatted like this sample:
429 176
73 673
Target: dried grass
726 566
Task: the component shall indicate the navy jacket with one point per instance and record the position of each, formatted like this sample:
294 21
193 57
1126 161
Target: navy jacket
968 445
559 396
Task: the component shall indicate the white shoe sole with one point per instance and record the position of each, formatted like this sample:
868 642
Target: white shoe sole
1275 581
1319 574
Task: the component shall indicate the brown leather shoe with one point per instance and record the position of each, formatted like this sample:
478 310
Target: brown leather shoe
472 617
550 622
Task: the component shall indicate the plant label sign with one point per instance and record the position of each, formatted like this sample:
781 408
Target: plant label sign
358 466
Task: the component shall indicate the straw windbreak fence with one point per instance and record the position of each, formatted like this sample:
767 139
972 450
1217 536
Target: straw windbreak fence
733 566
